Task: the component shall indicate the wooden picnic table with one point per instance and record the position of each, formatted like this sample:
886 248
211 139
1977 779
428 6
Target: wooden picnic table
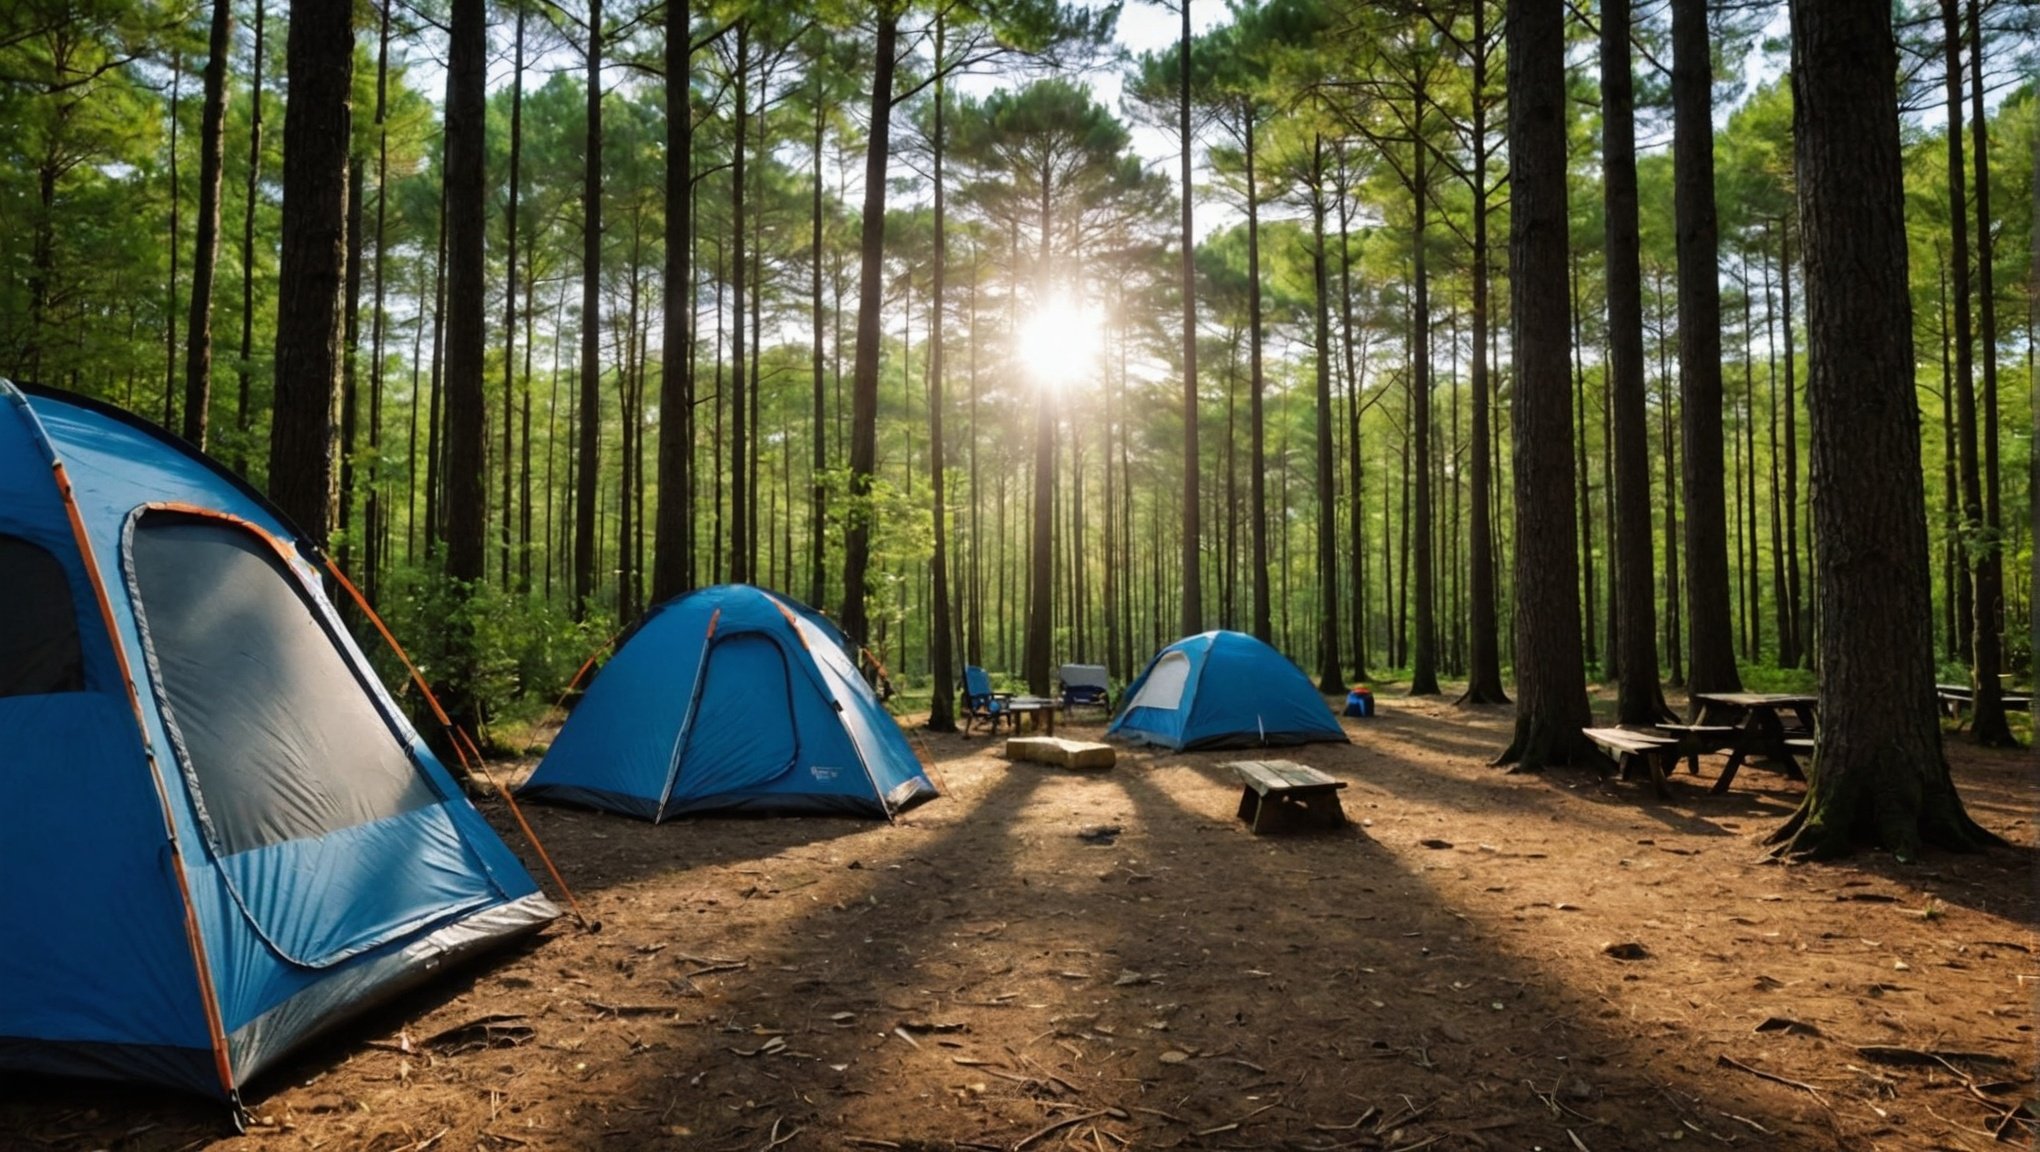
1039 710
1760 728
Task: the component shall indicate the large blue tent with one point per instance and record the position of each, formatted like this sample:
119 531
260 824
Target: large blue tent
731 699
1223 690
219 833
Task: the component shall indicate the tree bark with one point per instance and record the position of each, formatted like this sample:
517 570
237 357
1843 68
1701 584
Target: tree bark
1329 681
1551 694
466 291
942 707
1193 585
316 122
508 523
864 369
673 535
1639 698
170 301
1710 635
1878 775
587 455
818 488
1484 670
205 253
741 502
1257 463
1424 665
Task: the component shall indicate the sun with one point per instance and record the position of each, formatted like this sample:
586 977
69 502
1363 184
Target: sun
1060 343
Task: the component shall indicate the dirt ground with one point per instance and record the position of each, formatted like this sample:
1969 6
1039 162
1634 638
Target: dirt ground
980 976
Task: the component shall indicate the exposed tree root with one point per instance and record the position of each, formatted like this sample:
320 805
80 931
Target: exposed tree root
1478 693
1828 830
1536 746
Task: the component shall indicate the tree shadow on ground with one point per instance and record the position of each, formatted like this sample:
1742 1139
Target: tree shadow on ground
1185 984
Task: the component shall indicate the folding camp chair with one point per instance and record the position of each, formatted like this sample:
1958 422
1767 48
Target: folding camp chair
1085 686
980 702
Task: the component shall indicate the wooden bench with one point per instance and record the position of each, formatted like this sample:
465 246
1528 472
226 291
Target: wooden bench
1695 739
1624 749
1278 792
1075 754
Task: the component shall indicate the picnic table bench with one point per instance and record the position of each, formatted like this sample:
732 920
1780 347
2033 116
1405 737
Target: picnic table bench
1695 739
1276 792
1955 699
1625 749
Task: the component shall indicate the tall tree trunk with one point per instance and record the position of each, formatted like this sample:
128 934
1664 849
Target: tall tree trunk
673 536
1551 695
506 532
170 303
1583 474
1710 634
1987 722
316 124
1800 623
1424 668
1782 603
818 488
434 521
242 371
212 151
1675 651
372 511
1257 457
1041 578
942 707
864 372
1639 699
1356 508
1752 616
350 355
1329 681
1193 587
1484 671
741 505
467 454
587 456
1879 776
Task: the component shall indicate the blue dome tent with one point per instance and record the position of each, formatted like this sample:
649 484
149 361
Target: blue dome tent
220 834
1223 690
731 699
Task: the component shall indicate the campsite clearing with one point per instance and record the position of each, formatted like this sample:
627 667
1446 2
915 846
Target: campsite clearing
1454 971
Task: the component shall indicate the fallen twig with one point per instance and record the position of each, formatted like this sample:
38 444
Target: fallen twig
1054 1127
1890 1054
1364 1118
1730 1062
777 1139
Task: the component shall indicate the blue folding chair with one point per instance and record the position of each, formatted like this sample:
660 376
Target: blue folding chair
980 702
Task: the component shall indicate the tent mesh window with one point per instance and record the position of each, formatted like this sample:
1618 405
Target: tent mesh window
39 650
269 716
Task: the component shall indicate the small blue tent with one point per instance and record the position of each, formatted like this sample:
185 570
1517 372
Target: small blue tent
731 699
1223 690
220 835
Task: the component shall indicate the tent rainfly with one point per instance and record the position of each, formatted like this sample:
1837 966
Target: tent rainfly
731 699
220 833
1223 690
